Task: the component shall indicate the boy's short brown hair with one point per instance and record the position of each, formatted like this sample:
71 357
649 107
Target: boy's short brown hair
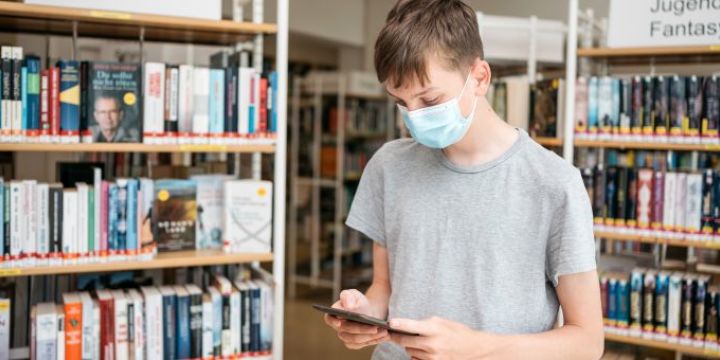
415 29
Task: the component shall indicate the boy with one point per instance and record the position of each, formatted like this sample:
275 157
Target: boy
480 234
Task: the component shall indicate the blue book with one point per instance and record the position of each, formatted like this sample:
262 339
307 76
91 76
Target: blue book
2 216
69 98
169 306
593 104
33 92
615 112
255 316
272 93
122 225
182 323
132 215
23 99
612 300
217 101
112 218
231 114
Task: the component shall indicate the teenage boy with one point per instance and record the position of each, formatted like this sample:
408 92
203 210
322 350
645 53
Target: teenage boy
480 233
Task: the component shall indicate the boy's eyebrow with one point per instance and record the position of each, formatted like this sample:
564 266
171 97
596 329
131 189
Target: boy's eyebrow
416 95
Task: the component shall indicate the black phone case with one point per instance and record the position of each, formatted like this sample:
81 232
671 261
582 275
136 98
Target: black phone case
359 318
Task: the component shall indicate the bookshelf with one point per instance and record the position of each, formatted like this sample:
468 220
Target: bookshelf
57 20
549 141
187 258
663 345
609 235
17 17
639 145
605 52
267 148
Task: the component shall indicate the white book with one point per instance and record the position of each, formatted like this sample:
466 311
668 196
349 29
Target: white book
248 216
209 194
28 221
153 102
255 101
201 104
216 299
82 220
97 185
121 325
185 103
46 331
680 202
669 190
5 326
60 338
693 217
674 305
88 326
69 230
138 330
244 79
43 221
96 329
7 104
17 110
235 325
266 314
153 322
207 326
16 248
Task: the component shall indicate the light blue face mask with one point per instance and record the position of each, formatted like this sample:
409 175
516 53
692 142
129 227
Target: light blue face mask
439 126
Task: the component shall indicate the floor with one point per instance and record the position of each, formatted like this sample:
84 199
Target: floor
307 336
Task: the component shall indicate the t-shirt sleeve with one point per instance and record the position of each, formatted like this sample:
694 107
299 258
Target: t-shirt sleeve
571 246
367 214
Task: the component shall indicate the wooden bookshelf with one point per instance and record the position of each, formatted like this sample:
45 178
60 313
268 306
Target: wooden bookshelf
57 20
641 145
163 260
650 51
549 141
683 349
137 147
657 240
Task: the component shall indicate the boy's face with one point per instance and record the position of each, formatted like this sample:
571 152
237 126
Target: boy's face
442 85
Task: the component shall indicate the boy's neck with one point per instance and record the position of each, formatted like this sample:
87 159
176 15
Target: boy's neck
486 140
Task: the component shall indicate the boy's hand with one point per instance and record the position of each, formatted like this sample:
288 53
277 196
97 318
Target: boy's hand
442 339
354 335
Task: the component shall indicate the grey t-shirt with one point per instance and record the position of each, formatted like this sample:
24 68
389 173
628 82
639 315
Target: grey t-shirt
480 245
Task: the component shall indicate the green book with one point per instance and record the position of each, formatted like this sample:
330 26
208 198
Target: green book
91 221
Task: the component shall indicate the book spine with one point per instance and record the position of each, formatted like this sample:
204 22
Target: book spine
660 105
661 300
2 220
623 301
153 102
657 200
7 245
648 121
218 322
254 112
69 101
680 202
172 79
201 103
185 104
631 201
44 126
206 328
227 334
669 200
15 236
54 222
85 133
196 324
154 326
638 109
648 297
707 225
625 106
636 298
694 100
678 106
46 332
231 96
694 203
96 209
169 346
30 221
113 245
121 328
122 217
131 221
139 328
256 312
674 305
55 103
24 125
43 216
104 198
687 308
17 93
107 332
236 321
131 328
611 194
5 328
615 106
699 328
73 331
60 333
711 110
244 101
273 102
621 197
88 326
263 126
6 97
645 191
182 328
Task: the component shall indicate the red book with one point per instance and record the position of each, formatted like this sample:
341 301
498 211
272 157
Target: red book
54 105
104 218
262 128
107 325
73 326
644 201
44 102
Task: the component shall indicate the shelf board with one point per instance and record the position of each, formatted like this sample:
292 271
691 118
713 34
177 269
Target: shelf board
650 51
162 260
58 20
549 141
684 349
657 240
137 147
644 145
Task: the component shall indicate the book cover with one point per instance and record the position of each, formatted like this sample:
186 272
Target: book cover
174 214
638 109
69 100
680 202
207 318
669 201
172 80
645 193
169 323
216 104
678 106
711 109
248 216
5 327
32 91
185 104
543 108
693 216
121 325
153 322
674 305
201 104
210 206
661 105
658 192
694 93
73 326
182 323
115 102
44 128
196 321
153 102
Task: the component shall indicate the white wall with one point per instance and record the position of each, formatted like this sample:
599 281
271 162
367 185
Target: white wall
336 20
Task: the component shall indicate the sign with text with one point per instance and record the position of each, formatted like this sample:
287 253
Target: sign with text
664 23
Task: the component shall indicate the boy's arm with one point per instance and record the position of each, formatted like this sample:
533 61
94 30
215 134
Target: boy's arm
581 336
378 294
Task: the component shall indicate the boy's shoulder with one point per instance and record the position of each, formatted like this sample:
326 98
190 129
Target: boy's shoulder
399 149
547 167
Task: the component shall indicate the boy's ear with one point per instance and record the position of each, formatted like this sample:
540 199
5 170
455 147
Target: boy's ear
483 75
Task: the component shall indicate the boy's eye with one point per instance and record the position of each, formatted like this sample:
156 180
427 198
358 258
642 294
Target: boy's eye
431 102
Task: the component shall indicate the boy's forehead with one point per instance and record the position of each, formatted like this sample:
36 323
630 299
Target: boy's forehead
435 75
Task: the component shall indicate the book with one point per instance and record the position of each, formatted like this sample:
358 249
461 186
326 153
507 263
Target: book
73 309
694 93
121 324
82 220
658 192
42 213
44 129
605 106
169 323
172 80
669 201
207 317
645 191
196 321
136 324
88 326
218 324
70 226
648 121
661 300
698 324
636 292
17 89
131 234
185 104
611 195
54 110
174 214
6 114
97 210
216 103
661 105
5 328
107 324
680 202
248 216
674 305
621 196
201 104
145 231
183 341
28 222
210 206
69 101
55 223
32 97
153 102
638 109
678 106
231 102
648 323
60 332
46 331
16 196
707 217
115 102
711 110
544 99
153 322
686 314
693 216
625 107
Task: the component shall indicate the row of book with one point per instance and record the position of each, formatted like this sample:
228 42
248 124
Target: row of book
675 109
44 224
362 117
229 319
644 201
157 103
659 305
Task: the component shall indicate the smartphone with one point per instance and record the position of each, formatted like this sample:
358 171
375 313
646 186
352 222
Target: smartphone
360 318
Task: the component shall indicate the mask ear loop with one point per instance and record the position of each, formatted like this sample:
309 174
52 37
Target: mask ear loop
472 111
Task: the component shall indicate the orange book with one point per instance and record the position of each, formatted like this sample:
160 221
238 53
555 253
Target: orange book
73 326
